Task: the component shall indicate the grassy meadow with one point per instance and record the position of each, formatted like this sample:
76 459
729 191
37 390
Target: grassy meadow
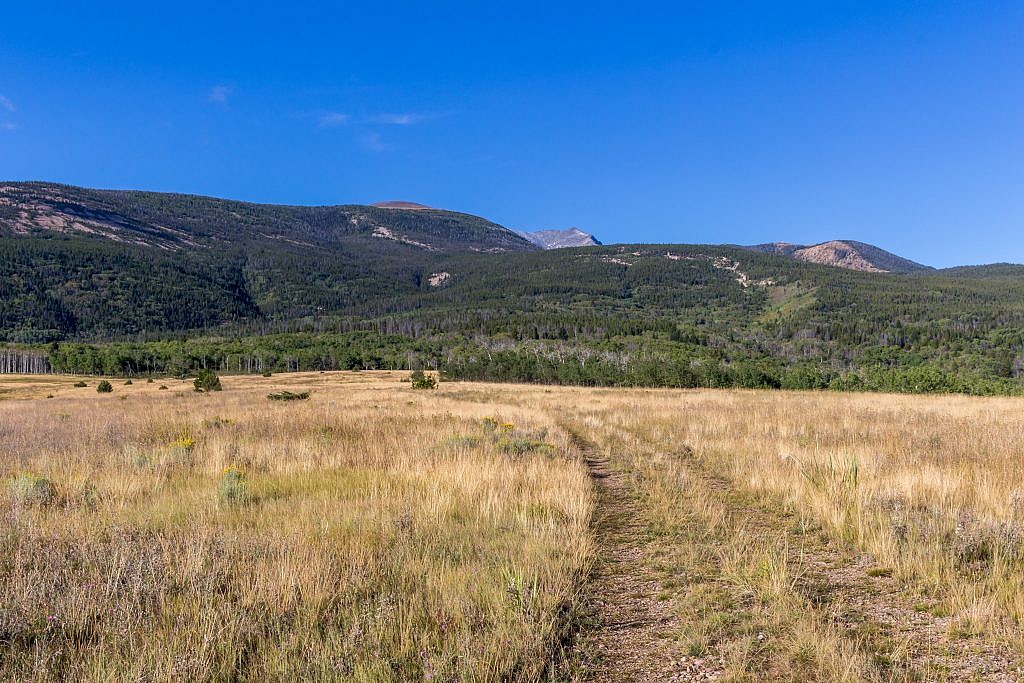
375 533
831 537
368 533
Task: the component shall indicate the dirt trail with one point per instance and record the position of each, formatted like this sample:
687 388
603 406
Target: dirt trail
631 625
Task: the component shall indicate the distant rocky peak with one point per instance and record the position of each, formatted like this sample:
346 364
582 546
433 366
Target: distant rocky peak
558 239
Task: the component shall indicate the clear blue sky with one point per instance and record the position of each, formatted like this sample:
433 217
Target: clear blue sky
898 123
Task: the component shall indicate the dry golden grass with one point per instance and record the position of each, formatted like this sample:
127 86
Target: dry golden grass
369 533
931 487
927 489
387 534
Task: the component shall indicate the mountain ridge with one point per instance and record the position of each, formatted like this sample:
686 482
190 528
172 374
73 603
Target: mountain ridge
400 204
173 220
141 217
849 254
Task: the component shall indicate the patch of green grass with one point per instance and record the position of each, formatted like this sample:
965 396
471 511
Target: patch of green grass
786 300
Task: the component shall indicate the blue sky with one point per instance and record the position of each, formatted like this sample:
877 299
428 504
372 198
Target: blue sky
896 123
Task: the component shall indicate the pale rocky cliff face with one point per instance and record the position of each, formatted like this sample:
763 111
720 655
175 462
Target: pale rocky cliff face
839 254
848 254
558 239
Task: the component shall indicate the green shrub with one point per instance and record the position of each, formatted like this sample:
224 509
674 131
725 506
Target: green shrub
104 387
516 442
421 380
517 445
31 489
149 381
232 487
128 383
184 443
805 378
80 384
207 380
163 387
178 453
268 374
289 396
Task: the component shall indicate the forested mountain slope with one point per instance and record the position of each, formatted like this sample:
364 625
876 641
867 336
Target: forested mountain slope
248 287
97 263
178 221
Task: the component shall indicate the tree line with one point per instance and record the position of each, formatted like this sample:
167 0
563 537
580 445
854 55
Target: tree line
672 364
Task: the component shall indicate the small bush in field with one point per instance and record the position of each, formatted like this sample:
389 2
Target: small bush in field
268 374
517 445
104 387
163 387
180 450
289 396
517 442
184 443
32 489
232 487
80 384
421 380
207 380
149 381
128 383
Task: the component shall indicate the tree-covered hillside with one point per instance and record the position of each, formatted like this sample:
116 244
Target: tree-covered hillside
87 263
